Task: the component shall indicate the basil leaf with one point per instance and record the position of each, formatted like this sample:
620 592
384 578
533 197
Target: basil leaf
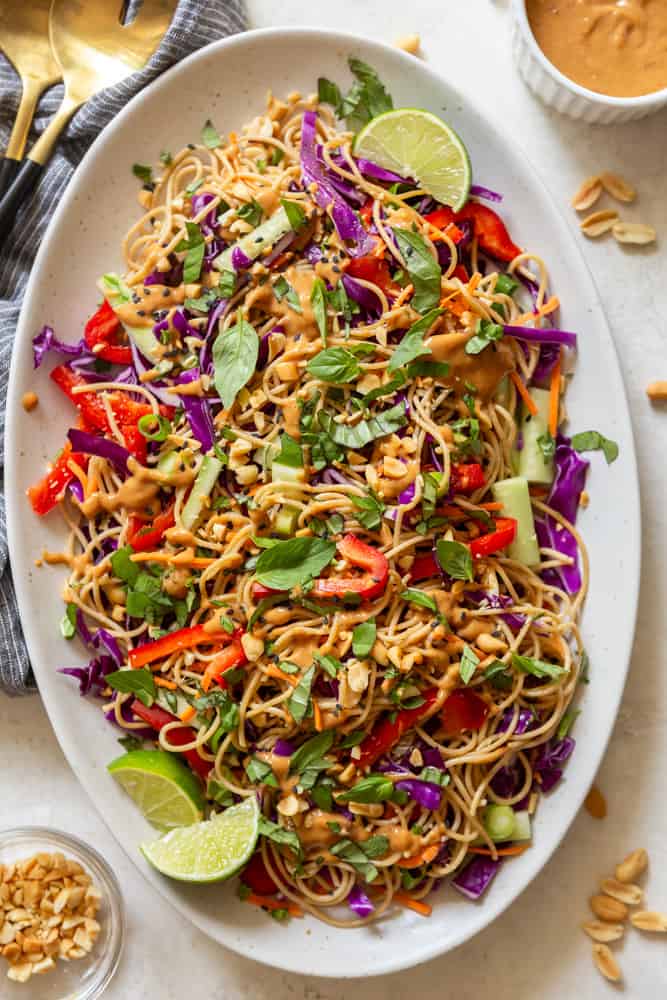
251 213
194 186
144 173
361 434
261 773
429 369
506 284
138 682
294 212
423 268
469 661
283 290
455 559
594 441
376 846
210 136
194 247
290 454
310 751
387 389
226 284
166 158
538 668
567 722
356 856
417 596
318 300
68 624
329 664
369 511
485 333
363 638
279 835
123 567
219 793
234 359
293 562
374 788
412 344
299 702
335 364
498 676
130 743
547 445
329 93
353 739
366 99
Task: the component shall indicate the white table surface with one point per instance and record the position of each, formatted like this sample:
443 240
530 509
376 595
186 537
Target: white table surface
536 949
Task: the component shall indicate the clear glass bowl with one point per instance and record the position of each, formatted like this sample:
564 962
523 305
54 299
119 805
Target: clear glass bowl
84 978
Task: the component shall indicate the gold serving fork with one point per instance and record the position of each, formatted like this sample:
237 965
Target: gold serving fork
24 38
94 51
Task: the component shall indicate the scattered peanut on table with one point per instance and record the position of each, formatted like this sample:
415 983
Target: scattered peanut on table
48 910
608 220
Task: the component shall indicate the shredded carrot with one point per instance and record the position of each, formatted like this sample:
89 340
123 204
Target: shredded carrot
554 396
422 858
423 909
187 714
162 682
474 282
549 306
317 711
523 392
280 675
493 505
538 491
268 903
502 852
179 559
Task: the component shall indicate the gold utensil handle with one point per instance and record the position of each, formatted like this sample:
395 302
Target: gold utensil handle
43 148
32 90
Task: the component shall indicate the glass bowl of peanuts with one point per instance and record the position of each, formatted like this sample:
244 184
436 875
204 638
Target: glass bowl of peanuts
61 917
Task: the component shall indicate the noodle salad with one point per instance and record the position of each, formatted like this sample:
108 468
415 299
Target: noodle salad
321 509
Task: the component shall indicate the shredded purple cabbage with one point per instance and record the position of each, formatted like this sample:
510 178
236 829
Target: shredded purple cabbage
489 599
198 412
180 323
524 722
346 222
91 678
46 341
172 278
552 535
426 793
550 761
549 354
483 192
91 444
505 781
282 748
476 877
569 480
208 223
367 299
359 902
542 336
333 476
240 260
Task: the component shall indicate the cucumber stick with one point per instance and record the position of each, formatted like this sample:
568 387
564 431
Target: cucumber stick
532 464
117 293
514 496
504 825
254 244
202 488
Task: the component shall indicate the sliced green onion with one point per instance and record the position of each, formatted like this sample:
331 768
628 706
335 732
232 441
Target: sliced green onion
154 427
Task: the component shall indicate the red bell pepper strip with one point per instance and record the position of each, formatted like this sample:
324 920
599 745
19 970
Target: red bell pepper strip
498 539
466 478
490 230
228 659
366 212
257 877
175 642
135 442
259 591
461 273
387 733
463 709
45 494
373 269
143 536
369 586
157 718
424 567
443 218
101 335
89 404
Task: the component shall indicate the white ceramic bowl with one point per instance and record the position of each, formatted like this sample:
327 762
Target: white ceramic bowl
568 97
228 81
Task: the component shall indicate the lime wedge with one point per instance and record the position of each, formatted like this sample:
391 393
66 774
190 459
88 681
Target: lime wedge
165 790
209 851
417 144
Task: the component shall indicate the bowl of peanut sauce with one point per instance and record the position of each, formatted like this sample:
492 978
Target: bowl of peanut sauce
601 61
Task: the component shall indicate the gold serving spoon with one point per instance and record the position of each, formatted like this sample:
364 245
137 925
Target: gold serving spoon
24 38
94 50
